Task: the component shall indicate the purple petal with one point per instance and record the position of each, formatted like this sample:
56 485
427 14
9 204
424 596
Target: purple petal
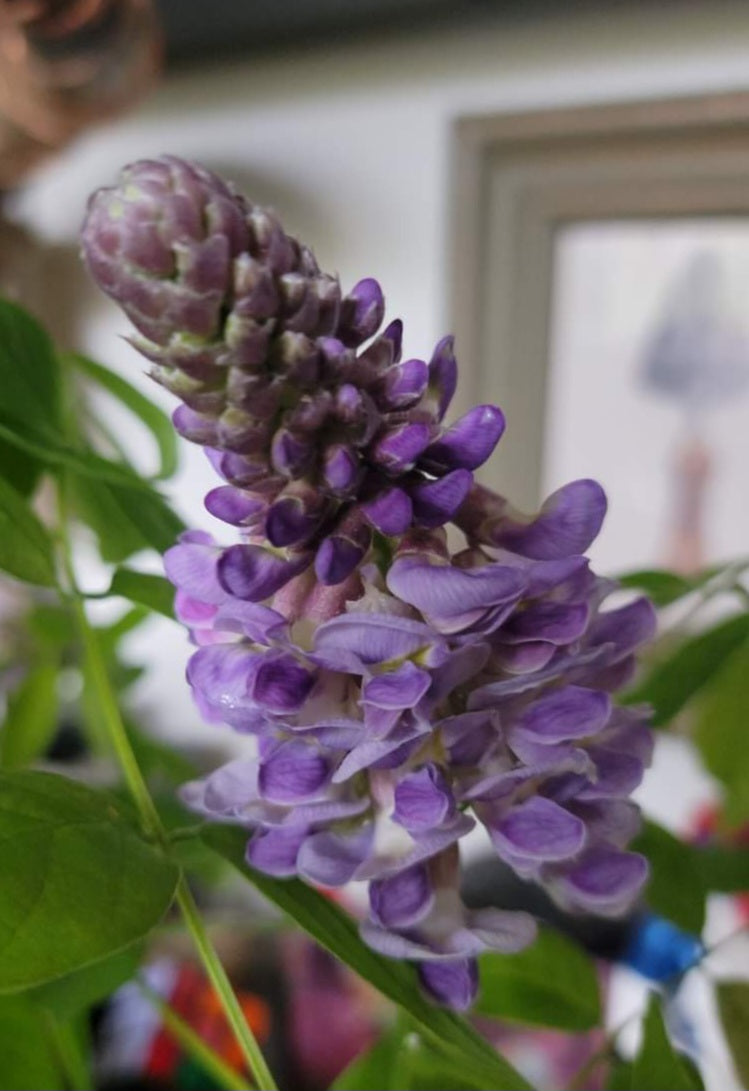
458 668
369 638
567 523
340 468
468 443
553 622
426 846
615 821
398 450
293 773
290 455
423 799
232 505
337 558
275 851
403 384
454 984
330 858
281 684
443 374
403 899
399 689
500 930
452 598
625 628
362 311
435 502
192 566
390 512
291 520
538 830
254 573
617 774
571 712
604 881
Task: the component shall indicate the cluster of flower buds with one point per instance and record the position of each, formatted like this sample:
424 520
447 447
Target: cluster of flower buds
320 441
398 694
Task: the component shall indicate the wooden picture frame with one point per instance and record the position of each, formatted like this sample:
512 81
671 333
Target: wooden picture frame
516 179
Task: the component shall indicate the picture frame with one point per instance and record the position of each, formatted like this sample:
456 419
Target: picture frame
520 177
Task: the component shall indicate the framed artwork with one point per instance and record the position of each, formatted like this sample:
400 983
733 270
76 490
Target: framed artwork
601 288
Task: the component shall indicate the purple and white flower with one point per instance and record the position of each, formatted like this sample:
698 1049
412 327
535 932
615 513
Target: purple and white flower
398 692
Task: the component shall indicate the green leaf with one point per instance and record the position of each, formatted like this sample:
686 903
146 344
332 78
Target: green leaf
721 732
26 550
126 520
552 983
373 1069
659 585
19 470
31 719
51 450
620 1076
77 882
401 1059
722 868
337 932
672 682
26 1059
155 420
677 888
155 592
733 1005
657 1066
77 992
29 369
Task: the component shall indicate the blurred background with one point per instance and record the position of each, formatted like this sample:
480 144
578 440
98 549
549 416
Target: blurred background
343 116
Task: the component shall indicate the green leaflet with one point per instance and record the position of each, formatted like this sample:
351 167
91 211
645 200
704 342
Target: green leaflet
77 881
31 718
155 592
677 888
675 680
155 420
26 549
553 983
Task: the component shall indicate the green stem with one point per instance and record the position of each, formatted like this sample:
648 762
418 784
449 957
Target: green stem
217 974
153 827
72 1063
222 1073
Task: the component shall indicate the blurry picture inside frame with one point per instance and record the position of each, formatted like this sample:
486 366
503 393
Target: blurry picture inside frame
649 382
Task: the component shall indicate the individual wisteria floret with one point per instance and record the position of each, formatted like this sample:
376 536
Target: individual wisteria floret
319 439
398 693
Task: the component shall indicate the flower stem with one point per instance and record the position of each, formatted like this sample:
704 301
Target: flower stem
153 827
222 1073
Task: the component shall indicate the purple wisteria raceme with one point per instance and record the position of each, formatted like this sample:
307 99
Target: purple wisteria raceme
320 441
396 693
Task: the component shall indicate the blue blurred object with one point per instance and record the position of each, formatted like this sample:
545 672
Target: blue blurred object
659 950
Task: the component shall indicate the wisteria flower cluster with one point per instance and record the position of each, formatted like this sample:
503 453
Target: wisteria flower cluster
399 693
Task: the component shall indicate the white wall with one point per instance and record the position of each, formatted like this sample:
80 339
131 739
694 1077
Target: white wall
352 145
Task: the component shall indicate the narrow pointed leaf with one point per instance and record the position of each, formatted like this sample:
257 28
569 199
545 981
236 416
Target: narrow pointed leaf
26 549
674 681
146 589
156 421
30 719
